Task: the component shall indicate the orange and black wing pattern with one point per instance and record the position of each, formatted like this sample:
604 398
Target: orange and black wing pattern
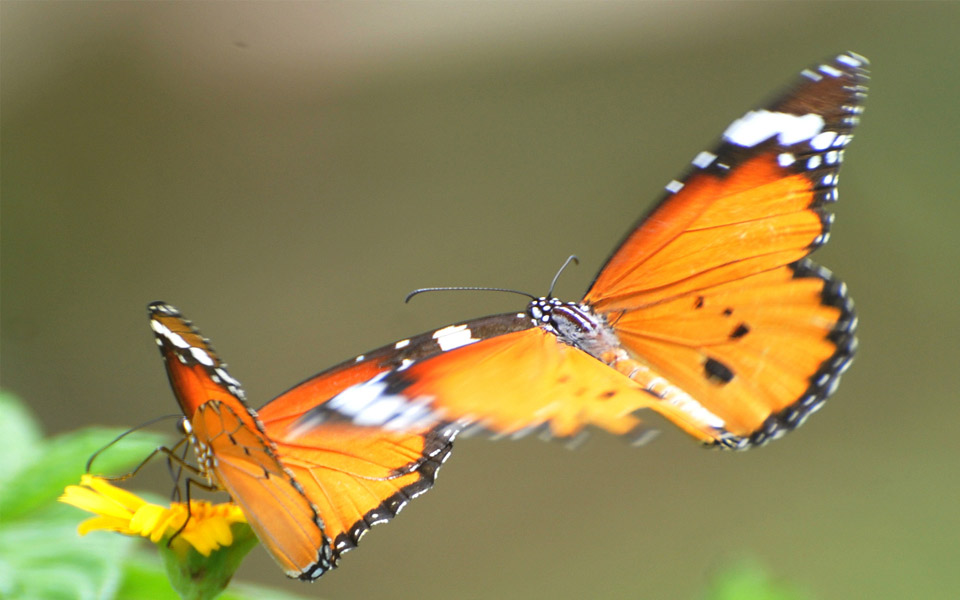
712 294
503 375
356 476
310 499
709 312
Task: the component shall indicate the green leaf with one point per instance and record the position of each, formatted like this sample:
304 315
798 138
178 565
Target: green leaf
19 436
45 558
61 460
749 581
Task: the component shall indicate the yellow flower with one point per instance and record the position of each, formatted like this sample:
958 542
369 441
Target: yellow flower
208 527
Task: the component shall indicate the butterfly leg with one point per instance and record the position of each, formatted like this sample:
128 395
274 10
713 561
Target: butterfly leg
208 487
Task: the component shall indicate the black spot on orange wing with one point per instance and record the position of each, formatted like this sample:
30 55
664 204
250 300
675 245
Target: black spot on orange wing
729 235
717 371
825 380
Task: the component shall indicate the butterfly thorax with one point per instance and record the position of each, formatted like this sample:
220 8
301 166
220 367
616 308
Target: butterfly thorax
579 326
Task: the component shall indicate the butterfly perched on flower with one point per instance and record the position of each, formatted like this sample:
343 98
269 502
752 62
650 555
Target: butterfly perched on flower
708 313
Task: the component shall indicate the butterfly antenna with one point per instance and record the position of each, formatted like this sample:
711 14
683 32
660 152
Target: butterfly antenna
463 289
94 456
570 259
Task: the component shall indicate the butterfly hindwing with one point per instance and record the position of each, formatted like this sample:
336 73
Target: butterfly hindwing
359 476
244 463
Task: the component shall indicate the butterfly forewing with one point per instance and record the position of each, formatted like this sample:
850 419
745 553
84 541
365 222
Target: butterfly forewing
195 371
762 190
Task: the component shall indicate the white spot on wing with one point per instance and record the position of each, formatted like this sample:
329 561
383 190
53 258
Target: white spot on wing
369 405
415 415
226 376
850 61
453 337
704 159
177 340
448 330
355 398
831 71
402 344
760 125
381 410
674 186
822 141
201 356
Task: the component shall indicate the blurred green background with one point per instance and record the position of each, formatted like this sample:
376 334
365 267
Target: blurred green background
285 173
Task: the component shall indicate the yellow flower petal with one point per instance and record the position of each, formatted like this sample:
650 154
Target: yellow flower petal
90 501
203 544
107 490
219 530
150 521
106 524
207 525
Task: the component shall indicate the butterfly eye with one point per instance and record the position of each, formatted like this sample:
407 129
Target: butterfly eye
184 427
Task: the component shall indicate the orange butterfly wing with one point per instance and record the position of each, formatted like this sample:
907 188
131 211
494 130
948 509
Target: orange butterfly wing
712 291
196 373
501 374
356 476
244 463
708 312
309 499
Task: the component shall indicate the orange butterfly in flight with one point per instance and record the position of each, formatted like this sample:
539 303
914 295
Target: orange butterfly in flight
708 313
